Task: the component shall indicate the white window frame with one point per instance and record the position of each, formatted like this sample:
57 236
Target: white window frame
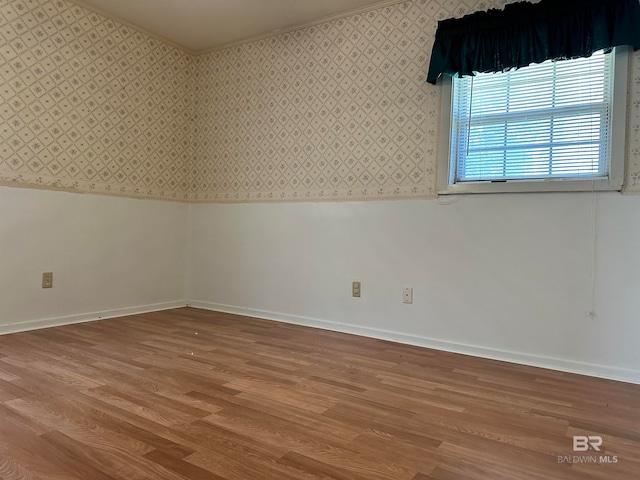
617 151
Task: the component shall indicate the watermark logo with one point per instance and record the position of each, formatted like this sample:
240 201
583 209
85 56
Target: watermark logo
584 443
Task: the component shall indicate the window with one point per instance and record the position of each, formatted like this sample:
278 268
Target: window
554 126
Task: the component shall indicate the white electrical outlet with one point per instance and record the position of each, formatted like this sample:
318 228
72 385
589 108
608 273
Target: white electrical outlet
407 295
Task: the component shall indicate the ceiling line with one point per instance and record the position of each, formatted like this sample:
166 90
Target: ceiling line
254 38
301 26
135 26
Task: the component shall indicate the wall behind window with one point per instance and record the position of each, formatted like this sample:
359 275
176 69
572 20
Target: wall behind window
338 111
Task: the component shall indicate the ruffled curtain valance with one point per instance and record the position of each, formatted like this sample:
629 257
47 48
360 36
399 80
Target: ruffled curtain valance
525 33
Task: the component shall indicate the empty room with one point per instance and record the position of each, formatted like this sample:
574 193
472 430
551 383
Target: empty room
319 239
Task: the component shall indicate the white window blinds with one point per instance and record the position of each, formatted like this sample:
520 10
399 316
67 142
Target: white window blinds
545 121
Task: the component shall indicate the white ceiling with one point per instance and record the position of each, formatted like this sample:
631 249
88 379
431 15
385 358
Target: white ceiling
200 25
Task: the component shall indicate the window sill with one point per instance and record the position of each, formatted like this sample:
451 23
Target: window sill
525 186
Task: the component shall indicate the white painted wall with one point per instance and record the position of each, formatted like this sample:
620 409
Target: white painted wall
503 276
110 256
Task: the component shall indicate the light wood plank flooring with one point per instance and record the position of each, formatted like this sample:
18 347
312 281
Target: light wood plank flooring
189 394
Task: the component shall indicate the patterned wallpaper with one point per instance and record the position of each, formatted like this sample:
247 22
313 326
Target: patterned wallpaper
337 111
90 105
632 182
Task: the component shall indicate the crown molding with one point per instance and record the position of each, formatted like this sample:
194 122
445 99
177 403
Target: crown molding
274 33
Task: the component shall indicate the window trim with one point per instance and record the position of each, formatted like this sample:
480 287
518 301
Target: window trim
617 152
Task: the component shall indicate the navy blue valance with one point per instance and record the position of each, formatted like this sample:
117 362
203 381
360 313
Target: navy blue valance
525 33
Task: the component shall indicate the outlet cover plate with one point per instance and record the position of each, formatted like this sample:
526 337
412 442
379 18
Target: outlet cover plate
407 295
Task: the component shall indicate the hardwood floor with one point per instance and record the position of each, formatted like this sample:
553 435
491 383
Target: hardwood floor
189 394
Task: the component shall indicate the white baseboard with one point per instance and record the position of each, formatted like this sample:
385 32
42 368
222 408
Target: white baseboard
87 317
563 365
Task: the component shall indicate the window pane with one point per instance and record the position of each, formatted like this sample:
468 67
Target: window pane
543 121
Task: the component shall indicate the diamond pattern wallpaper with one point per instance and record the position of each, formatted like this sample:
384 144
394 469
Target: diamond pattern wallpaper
90 105
632 182
338 111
